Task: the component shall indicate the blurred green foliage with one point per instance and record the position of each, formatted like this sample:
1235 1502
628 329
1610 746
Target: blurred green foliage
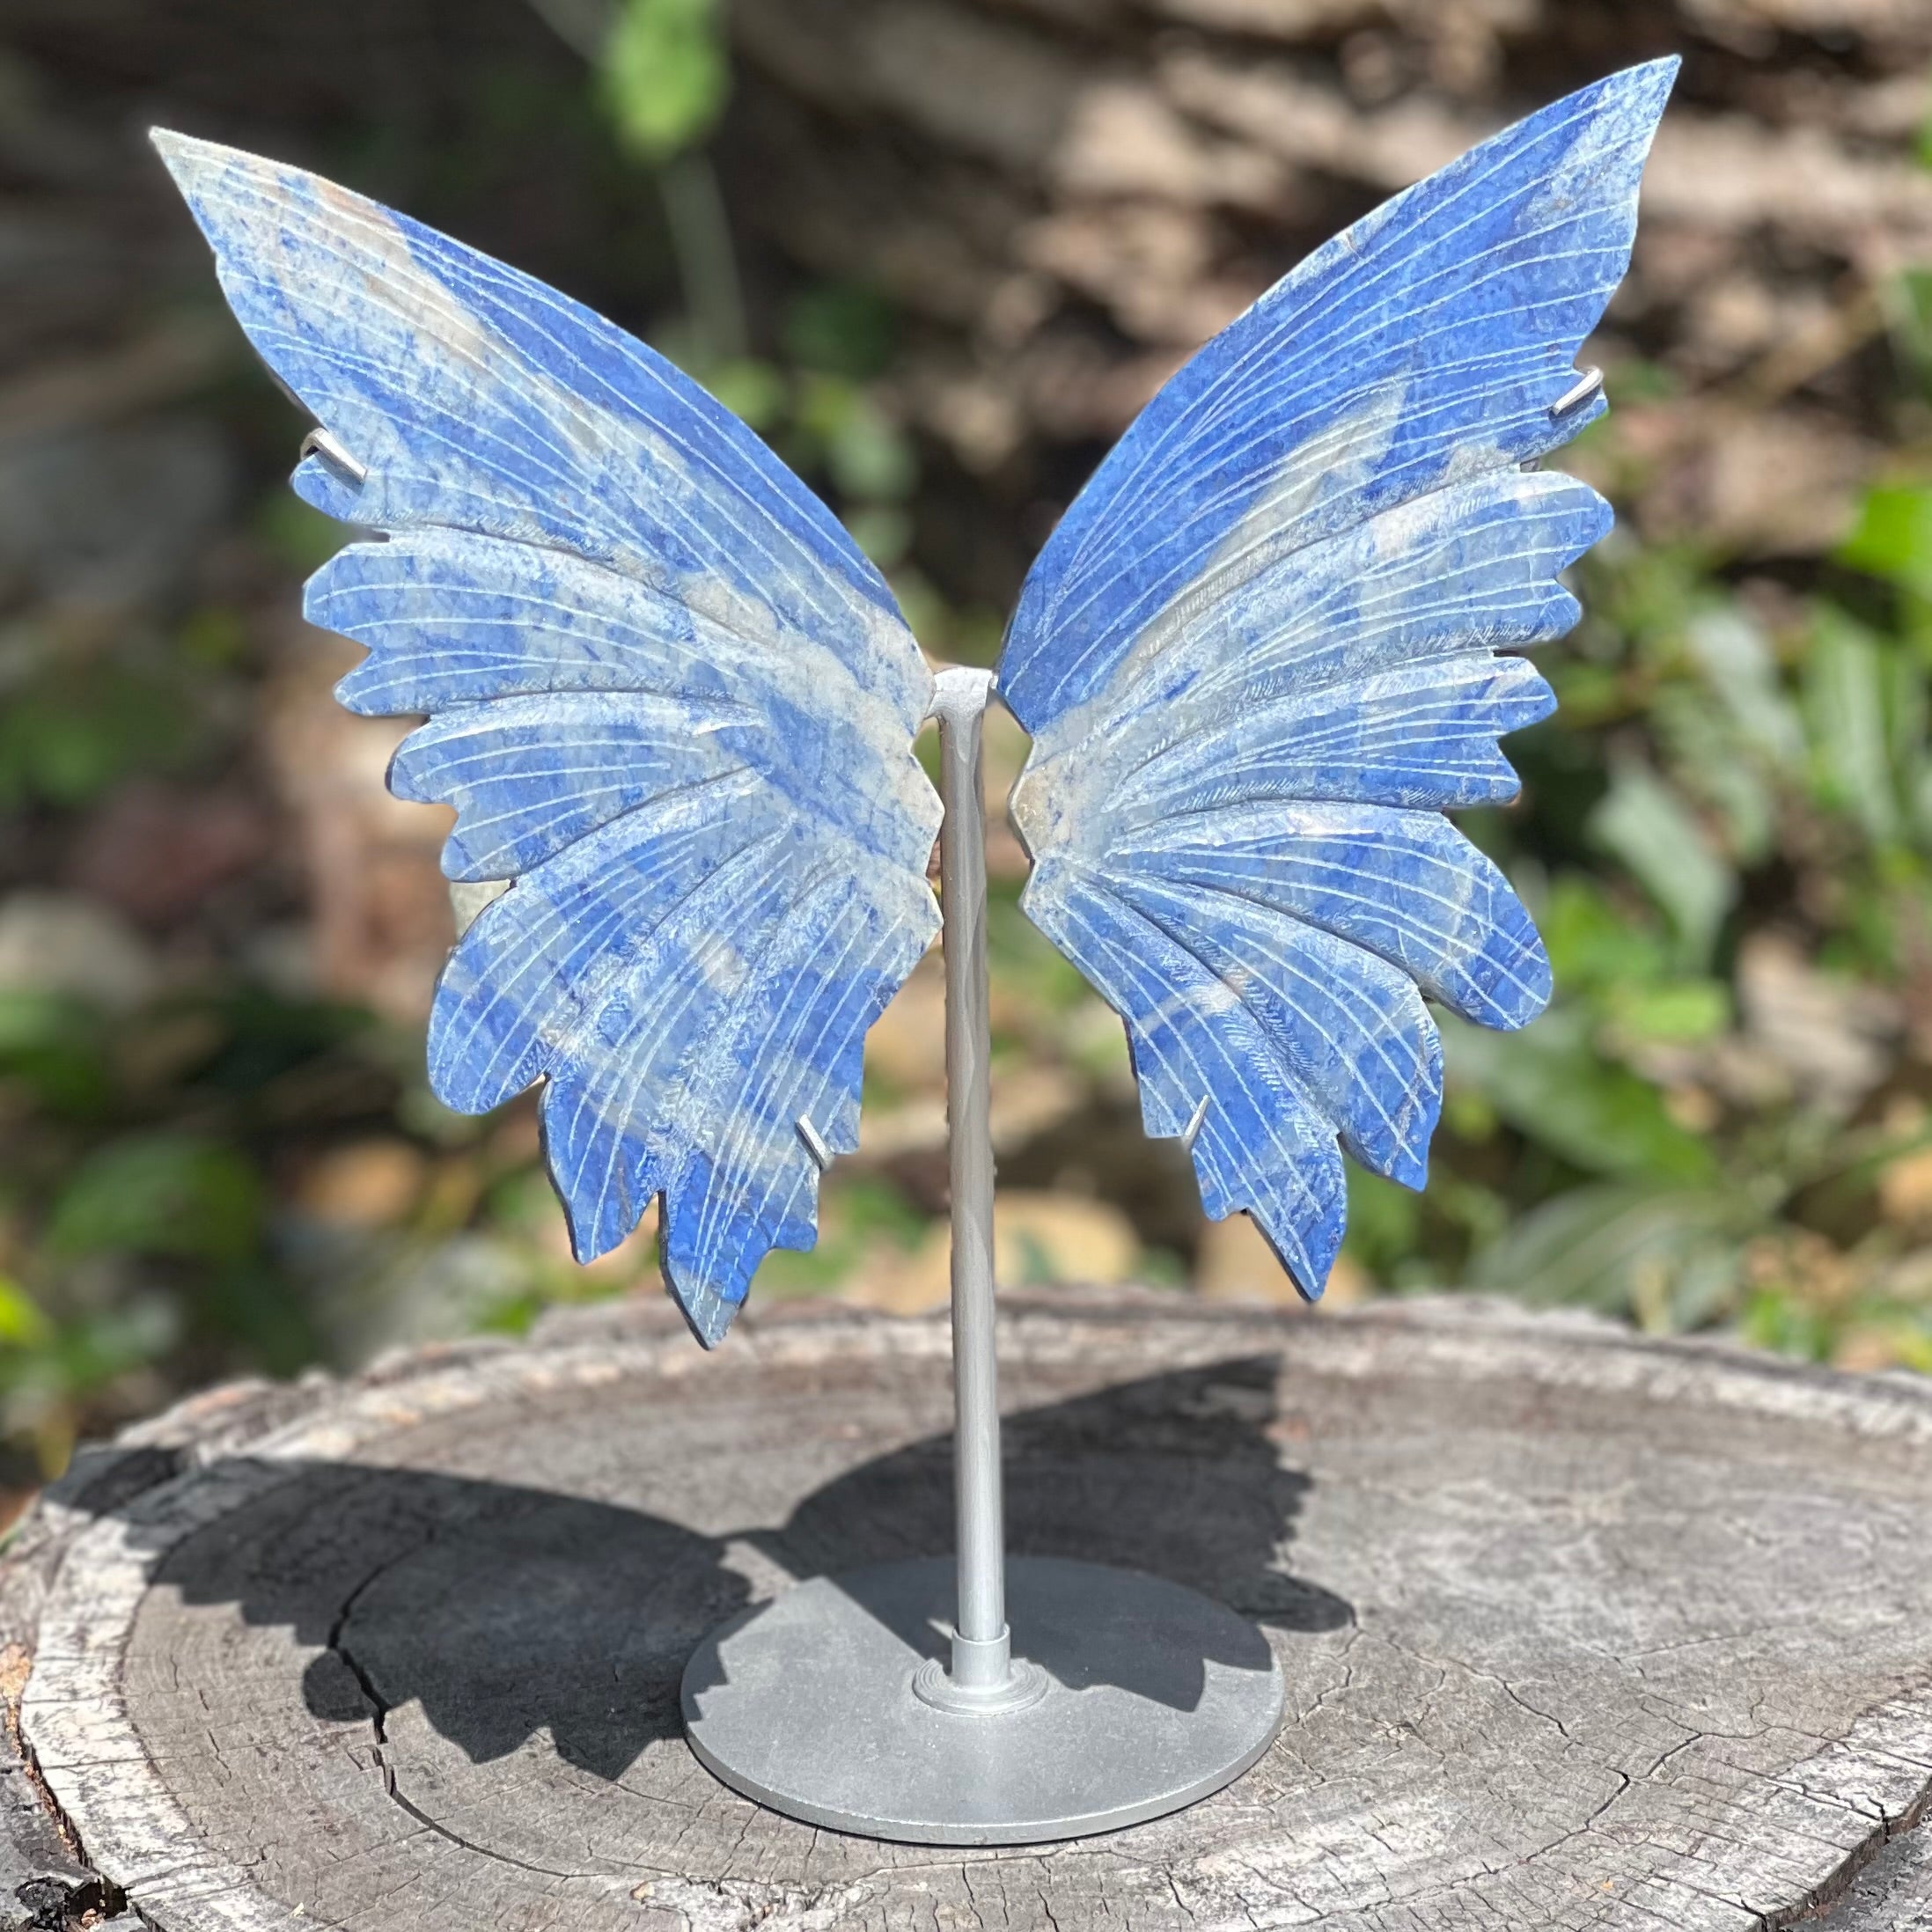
1707 1116
666 74
69 732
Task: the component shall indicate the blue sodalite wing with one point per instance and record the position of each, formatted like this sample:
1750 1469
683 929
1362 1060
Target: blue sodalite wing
667 694
1259 660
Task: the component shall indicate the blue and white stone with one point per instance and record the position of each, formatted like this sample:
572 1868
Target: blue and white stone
1258 658
667 696
674 705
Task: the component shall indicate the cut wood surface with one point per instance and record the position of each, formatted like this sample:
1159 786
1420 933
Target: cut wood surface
1580 1630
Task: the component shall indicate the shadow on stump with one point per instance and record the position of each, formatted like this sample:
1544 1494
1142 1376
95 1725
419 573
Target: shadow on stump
505 1610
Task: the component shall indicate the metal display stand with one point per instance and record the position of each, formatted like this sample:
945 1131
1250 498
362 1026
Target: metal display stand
966 1702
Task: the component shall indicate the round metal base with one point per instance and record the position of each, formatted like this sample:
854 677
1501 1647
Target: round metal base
1155 1697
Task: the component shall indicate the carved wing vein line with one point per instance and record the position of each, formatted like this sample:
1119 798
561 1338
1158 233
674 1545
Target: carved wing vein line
607 433
1207 588
1139 787
471 825
1460 287
1403 1134
1412 892
687 992
1346 288
698 457
614 958
1229 1155
375 628
740 1135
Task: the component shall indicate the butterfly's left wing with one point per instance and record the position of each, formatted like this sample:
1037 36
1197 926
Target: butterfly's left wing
669 698
1258 660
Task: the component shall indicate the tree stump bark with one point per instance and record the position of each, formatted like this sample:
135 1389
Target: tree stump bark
1580 1630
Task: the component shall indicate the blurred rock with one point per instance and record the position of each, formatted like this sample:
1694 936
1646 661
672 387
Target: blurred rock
904 1284
516 1139
437 1293
907 1048
1832 1036
108 517
155 851
1908 1279
1234 1263
1758 481
1905 1190
63 943
1872 1347
366 1185
1070 195
1038 1239
1032 1099
383 924
1729 173
469 897
892 1131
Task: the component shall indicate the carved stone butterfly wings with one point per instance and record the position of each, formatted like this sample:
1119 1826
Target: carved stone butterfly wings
674 705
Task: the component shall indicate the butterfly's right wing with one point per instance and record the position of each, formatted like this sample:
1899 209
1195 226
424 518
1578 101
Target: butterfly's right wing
667 696
1259 661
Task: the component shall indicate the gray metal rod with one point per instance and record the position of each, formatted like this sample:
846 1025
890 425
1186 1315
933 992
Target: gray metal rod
980 1648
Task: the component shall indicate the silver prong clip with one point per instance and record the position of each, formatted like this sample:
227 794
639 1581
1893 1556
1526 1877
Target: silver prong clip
320 443
1578 393
814 1142
1191 1133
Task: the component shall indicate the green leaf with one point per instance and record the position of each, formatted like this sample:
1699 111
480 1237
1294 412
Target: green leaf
1911 317
666 75
869 1205
1383 1221
1776 1319
1669 1255
244 1303
22 1325
883 531
1549 1082
296 533
1023 958
265 1036
71 733
868 455
80 1356
1587 694
1711 759
1902 694
56 1048
843 329
1643 822
753 391
1892 537
1846 691
163 1194
1678 1009
1736 662
1590 944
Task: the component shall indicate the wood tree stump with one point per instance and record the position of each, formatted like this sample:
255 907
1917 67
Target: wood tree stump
1580 1630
